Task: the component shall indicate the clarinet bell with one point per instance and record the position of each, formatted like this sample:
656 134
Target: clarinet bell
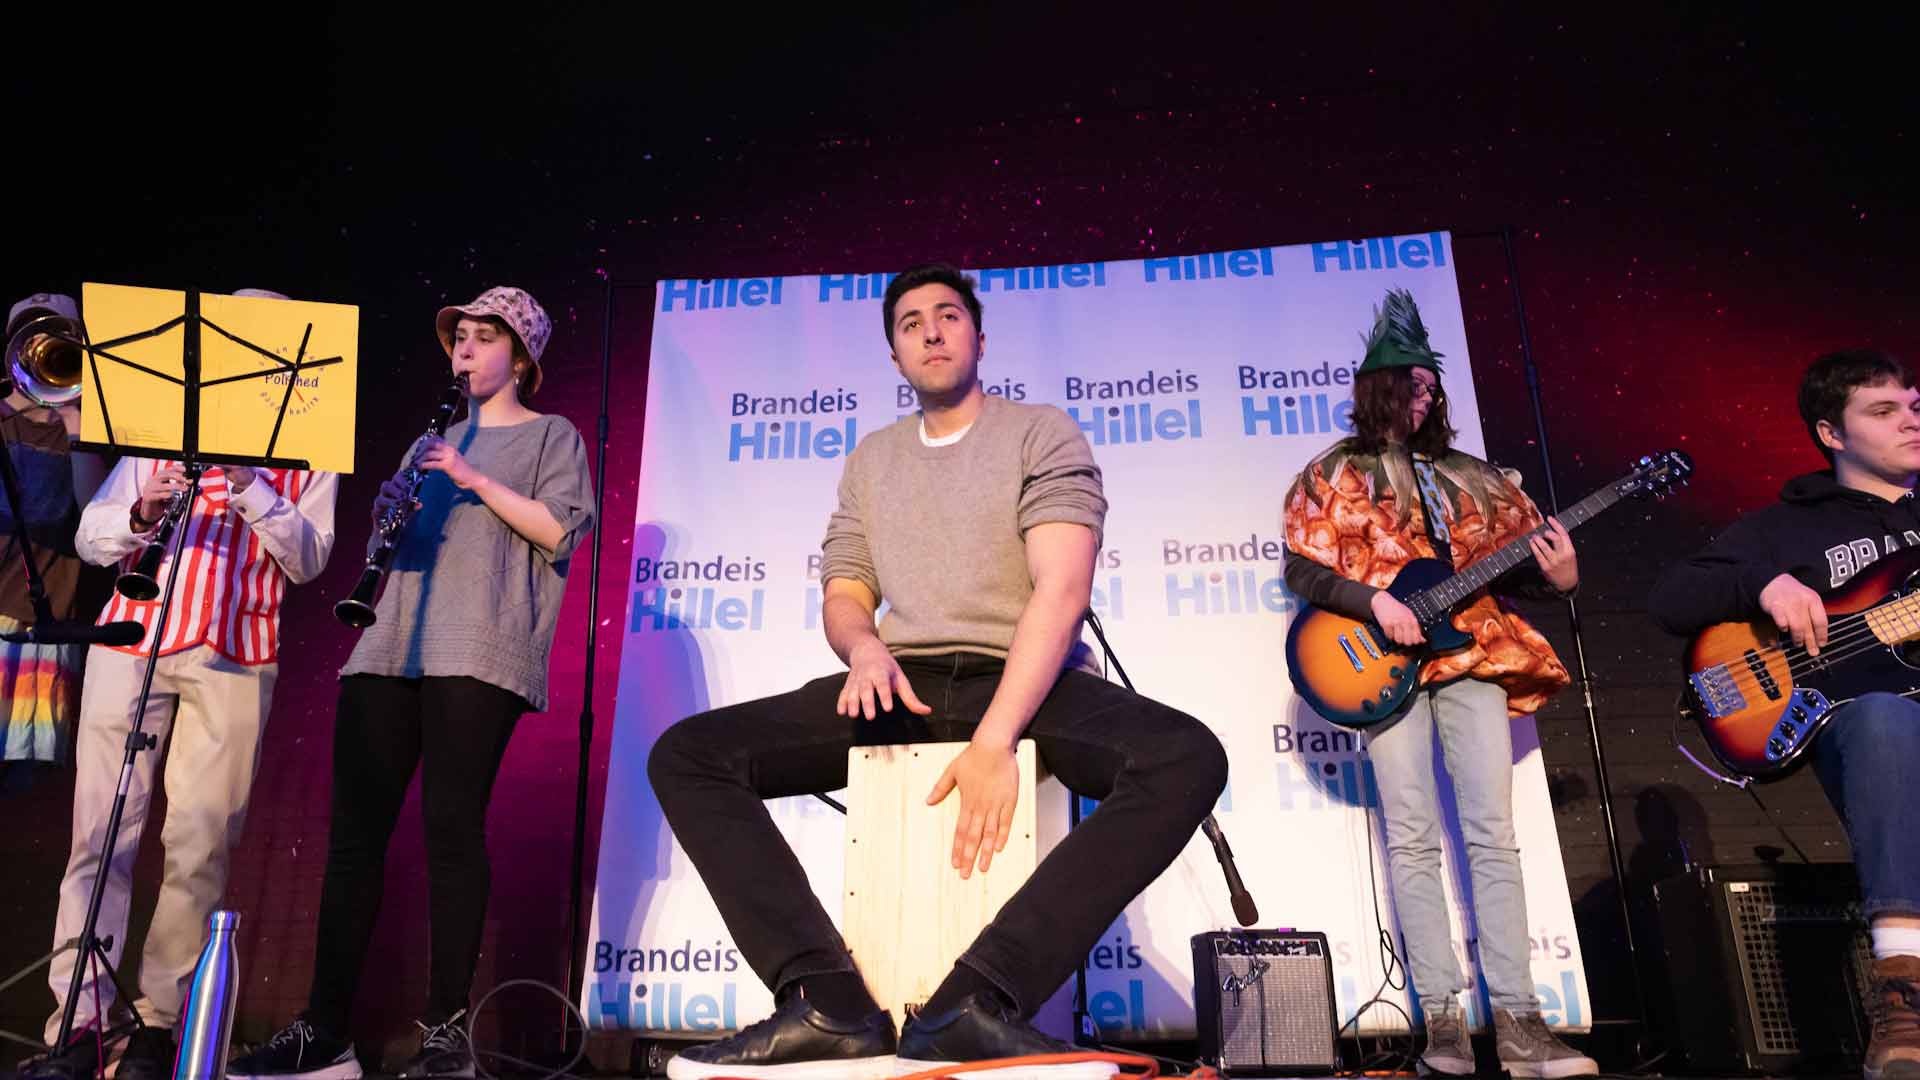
357 609
143 582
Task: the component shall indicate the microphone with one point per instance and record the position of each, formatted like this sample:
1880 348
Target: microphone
1243 907
57 632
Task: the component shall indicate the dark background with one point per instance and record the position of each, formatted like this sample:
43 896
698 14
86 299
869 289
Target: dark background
1703 200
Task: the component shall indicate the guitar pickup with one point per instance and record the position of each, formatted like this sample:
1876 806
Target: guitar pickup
1366 641
1762 675
1352 657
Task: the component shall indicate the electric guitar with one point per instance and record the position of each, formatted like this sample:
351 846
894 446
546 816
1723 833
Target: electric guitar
1355 676
1760 699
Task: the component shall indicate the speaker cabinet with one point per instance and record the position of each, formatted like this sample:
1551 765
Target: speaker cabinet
1263 1000
1770 966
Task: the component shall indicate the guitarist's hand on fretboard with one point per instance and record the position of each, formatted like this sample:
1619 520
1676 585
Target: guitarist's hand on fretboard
1396 619
1797 610
1553 550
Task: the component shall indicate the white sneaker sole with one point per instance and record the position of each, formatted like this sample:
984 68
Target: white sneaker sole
1079 1070
1443 1066
873 1068
1557 1069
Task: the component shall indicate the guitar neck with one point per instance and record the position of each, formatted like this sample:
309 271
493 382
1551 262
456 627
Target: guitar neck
1481 574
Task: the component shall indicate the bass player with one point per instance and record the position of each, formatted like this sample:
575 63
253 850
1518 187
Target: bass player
1863 413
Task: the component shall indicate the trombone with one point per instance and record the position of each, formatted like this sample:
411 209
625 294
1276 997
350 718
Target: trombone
44 357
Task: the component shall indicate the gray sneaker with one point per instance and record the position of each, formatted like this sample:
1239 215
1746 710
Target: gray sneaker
1527 1048
1448 1052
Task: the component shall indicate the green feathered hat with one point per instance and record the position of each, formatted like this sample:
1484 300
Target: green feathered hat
1399 338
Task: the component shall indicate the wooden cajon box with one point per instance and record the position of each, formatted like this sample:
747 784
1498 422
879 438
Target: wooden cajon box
906 913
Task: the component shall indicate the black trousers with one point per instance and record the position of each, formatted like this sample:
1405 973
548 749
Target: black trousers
1157 772
454 732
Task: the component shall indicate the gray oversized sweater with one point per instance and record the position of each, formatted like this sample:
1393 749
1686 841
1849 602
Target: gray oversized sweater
467 595
939 532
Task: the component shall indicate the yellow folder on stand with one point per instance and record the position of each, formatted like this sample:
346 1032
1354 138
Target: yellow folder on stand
255 355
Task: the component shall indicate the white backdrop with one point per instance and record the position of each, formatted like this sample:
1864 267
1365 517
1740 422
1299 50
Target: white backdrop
1204 382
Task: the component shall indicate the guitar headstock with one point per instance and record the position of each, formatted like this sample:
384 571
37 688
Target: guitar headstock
1657 475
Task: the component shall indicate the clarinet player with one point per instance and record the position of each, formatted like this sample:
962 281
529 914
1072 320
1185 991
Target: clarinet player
457 653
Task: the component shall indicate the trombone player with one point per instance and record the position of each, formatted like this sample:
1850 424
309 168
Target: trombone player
249 533
40 414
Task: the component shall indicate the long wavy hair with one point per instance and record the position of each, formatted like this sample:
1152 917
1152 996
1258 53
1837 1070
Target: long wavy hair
1382 401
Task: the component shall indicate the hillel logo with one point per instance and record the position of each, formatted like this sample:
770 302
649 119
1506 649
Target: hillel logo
1027 278
1381 253
615 1002
790 439
1251 262
1306 410
1324 767
661 1006
672 594
1135 418
1011 389
1229 587
841 287
705 293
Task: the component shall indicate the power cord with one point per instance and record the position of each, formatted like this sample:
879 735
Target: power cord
579 1055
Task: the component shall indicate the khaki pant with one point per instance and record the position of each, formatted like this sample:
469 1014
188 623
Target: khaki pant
215 710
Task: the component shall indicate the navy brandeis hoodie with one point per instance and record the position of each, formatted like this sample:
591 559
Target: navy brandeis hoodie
1820 532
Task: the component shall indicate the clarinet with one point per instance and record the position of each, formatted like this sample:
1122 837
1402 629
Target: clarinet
357 609
143 581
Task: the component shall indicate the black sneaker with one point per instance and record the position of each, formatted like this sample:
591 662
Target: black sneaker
982 1030
299 1051
78 1060
795 1043
444 1051
149 1055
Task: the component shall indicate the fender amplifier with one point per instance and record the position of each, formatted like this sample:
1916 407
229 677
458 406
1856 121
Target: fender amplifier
1263 1002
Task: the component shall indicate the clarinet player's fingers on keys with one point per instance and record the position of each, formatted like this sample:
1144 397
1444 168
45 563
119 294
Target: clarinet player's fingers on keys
391 493
159 488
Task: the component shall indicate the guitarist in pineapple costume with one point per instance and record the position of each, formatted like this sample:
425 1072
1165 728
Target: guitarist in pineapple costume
1394 491
1863 412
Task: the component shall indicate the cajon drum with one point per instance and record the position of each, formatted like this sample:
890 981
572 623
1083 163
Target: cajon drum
906 913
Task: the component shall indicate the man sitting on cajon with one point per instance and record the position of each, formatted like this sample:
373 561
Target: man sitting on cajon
977 520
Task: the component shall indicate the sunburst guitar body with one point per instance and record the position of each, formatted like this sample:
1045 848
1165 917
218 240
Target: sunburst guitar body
1351 674
1760 700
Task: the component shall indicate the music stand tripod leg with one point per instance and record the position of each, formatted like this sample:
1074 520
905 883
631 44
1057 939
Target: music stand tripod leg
137 740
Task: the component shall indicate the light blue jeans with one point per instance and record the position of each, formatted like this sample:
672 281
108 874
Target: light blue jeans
1470 717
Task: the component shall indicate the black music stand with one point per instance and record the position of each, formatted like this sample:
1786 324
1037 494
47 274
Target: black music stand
191 323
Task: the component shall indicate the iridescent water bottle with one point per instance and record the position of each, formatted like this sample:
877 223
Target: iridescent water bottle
208 1021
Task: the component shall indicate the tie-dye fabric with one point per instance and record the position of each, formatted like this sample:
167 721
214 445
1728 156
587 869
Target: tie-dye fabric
39 698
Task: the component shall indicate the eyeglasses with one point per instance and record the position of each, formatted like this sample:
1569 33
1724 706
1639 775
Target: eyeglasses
1431 392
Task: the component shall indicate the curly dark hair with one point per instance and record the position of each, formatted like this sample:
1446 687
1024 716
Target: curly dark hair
1381 402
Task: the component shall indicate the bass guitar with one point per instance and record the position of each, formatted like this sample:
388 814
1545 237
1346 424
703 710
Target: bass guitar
1355 676
1760 699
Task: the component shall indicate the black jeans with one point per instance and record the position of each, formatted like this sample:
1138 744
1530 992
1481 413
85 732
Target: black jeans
1156 771
454 730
